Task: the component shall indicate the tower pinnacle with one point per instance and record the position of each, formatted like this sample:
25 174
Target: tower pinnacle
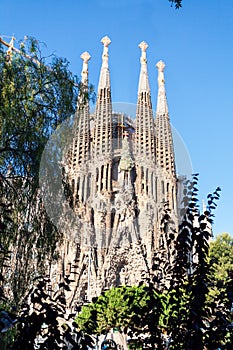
80 149
143 80
162 107
104 81
103 120
164 142
143 46
160 65
85 57
144 133
106 42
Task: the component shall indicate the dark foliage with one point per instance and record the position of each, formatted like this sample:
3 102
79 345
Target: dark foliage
42 322
177 3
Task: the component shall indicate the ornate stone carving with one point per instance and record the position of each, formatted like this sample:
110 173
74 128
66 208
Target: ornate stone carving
85 57
143 46
106 41
160 65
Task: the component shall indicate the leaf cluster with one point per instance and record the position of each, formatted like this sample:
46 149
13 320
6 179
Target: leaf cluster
115 308
177 3
42 323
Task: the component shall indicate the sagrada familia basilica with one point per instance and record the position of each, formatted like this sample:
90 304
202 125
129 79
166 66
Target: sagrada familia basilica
121 173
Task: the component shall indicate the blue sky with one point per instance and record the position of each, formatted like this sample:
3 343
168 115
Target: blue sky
196 43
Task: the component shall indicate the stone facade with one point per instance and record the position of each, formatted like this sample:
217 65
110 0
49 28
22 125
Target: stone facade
121 172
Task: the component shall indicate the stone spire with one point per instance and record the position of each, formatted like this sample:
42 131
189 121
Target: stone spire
82 139
164 142
80 151
162 107
104 74
85 57
143 79
145 134
103 114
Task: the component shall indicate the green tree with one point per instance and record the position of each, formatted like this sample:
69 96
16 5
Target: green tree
221 256
36 94
220 296
221 261
128 309
115 308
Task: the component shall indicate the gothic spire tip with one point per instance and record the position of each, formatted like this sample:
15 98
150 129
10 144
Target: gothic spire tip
85 56
106 41
160 65
143 46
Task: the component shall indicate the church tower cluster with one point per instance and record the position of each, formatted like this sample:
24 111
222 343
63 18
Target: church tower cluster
121 173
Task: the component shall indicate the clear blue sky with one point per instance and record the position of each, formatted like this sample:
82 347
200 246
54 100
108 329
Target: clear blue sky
196 43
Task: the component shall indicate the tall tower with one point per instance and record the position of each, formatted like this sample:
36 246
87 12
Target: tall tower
165 157
102 154
80 150
102 142
144 134
145 157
